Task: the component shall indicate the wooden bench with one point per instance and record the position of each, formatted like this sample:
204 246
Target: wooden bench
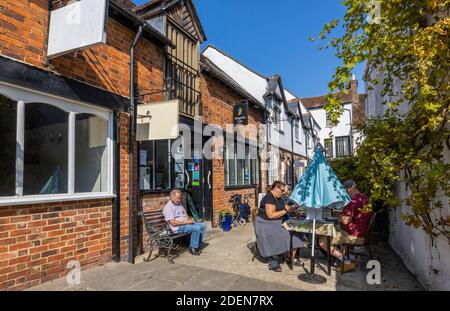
159 234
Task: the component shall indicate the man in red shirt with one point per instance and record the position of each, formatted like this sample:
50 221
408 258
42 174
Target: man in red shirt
354 222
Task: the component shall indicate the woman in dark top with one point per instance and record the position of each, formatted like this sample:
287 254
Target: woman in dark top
272 239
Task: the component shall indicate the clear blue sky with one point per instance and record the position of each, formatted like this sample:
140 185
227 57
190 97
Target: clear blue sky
271 36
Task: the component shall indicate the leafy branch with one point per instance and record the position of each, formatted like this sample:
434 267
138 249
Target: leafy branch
407 59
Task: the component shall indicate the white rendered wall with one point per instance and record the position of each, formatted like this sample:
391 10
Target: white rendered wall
342 129
431 265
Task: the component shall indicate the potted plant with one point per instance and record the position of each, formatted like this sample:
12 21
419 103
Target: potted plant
225 219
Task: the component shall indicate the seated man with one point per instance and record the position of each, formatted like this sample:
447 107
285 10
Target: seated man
353 225
176 215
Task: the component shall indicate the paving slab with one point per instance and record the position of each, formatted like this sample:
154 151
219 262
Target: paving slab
226 264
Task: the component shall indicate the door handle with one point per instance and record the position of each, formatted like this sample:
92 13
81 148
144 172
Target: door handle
209 179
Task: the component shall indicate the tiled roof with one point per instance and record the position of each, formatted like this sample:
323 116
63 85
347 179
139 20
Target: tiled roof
320 101
126 4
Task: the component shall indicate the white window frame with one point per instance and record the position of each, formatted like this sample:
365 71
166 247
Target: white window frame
24 96
297 129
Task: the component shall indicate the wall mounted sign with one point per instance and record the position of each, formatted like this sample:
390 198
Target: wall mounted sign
78 25
240 114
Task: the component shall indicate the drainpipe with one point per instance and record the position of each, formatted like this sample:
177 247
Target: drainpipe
116 203
133 117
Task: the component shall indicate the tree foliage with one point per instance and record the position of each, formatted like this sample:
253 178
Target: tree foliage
406 51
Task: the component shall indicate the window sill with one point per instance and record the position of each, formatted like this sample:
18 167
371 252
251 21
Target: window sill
279 131
54 198
298 141
145 192
239 187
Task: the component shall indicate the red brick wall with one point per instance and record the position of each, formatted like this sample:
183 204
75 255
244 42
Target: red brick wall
23 36
37 241
217 106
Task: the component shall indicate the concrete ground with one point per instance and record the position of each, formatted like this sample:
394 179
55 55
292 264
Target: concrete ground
225 265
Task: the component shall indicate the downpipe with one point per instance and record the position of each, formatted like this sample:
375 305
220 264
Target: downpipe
133 118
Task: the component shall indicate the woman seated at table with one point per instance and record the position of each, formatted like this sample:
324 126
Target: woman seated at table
272 238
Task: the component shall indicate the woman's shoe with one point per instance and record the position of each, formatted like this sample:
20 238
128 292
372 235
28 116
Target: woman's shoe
276 269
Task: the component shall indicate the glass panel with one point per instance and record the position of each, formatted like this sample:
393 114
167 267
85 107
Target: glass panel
342 146
91 154
328 148
8 124
241 172
227 171
146 165
178 168
46 149
232 165
161 165
247 171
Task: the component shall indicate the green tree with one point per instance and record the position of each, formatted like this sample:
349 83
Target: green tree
407 41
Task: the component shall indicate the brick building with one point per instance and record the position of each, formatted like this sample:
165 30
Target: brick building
64 190
232 175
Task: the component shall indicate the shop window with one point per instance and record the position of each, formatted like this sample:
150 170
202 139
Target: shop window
240 170
91 156
155 165
52 148
8 113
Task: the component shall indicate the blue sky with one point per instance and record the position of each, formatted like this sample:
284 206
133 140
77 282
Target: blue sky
272 38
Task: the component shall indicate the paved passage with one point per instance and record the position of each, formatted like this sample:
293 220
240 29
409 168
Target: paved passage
226 265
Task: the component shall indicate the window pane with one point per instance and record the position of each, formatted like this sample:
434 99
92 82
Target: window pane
342 146
254 172
8 115
227 171
178 168
240 172
161 164
328 148
247 170
146 165
91 154
232 165
46 149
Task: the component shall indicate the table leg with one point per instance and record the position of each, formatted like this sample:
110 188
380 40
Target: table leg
329 254
291 253
313 257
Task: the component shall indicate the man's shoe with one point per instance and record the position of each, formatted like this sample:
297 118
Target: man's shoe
347 267
194 252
